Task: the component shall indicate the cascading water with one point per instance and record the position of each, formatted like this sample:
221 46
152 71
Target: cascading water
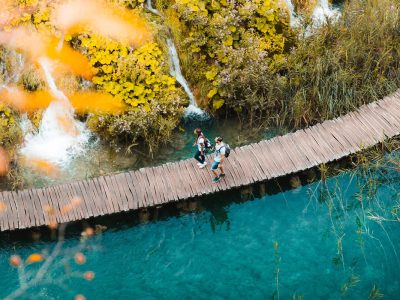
193 110
294 21
324 11
60 137
152 9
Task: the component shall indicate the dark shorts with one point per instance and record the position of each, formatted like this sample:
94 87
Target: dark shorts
214 165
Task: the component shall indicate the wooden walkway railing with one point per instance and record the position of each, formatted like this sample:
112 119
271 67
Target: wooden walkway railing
291 153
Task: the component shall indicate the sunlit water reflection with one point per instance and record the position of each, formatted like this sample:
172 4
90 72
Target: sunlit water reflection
329 246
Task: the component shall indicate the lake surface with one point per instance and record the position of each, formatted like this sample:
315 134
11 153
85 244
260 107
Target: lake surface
321 241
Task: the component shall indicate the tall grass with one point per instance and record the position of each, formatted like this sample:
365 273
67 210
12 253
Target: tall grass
341 66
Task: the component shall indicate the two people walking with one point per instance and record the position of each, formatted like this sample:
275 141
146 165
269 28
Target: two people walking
221 152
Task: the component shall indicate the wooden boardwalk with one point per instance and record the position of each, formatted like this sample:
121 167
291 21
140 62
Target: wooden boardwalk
268 159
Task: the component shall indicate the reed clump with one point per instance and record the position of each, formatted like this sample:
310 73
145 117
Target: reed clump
340 67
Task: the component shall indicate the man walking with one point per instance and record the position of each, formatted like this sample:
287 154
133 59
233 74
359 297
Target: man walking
220 150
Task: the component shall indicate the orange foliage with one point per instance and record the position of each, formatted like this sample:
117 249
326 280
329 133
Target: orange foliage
25 101
70 206
98 102
3 207
15 260
89 275
68 125
36 45
34 258
126 26
80 297
4 162
83 102
41 166
80 258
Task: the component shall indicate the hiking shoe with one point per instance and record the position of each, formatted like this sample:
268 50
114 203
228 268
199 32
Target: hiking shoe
222 175
216 179
202 166
199 164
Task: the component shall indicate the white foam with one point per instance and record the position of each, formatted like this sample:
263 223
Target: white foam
60 137
152 9
294 20
324 11
193 111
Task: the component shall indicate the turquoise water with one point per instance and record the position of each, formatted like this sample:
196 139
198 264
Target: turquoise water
331 243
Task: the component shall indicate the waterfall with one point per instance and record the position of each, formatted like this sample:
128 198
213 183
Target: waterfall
152 9
60 136
294 21
193 111
323 11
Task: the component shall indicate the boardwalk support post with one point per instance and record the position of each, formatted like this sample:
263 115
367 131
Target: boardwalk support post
262 189
295 181
144 215
246 193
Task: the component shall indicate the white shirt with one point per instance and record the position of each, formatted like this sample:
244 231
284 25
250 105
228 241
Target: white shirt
200 141
219 150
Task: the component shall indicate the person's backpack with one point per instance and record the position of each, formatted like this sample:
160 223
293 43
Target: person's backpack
227 150
207 144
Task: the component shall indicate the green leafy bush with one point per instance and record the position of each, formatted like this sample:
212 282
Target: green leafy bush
139 78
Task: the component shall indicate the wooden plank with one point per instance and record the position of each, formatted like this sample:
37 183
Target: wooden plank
70 213
326 150
79 190
135 184
369 121
387 128
121 190
98 203
22 209
247 177
298 156
169 180
162 185
13 213
265 149
186 180
193 180
233 171
342 131
180 180
6 215
261 161
331 126
363 132
290 162
111 202
114 193
143 183
121 181
118 191
274 157
148 176
254 161
330 141
45 205
134 192
38 206
308 155
370 140
58 204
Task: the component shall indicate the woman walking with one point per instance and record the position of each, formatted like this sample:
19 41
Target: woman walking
199 143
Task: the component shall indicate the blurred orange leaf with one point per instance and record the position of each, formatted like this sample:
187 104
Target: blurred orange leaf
34 258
